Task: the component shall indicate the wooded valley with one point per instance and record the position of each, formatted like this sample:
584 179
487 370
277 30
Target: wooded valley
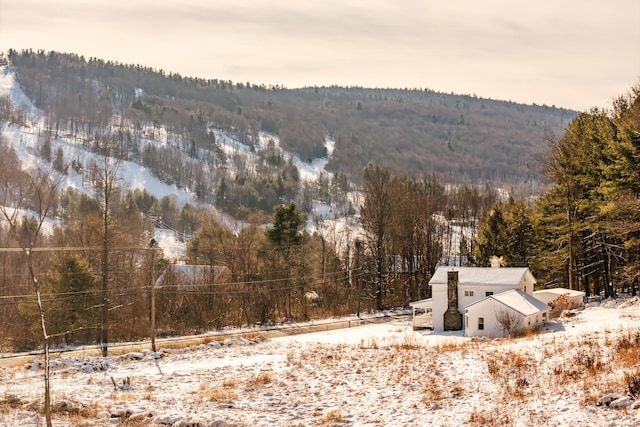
425 166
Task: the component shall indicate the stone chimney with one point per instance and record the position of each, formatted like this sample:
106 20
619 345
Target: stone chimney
452 318
497 262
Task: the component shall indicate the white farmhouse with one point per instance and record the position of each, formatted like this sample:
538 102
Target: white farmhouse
456 288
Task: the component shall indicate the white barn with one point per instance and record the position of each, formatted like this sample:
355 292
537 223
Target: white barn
455 288
504 314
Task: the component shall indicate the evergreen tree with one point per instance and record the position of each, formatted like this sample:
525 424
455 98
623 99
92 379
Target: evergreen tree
493 237
520 250
45 148
73 314
284 257
58 163
571 223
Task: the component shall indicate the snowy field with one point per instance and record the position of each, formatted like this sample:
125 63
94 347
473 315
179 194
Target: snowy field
574 373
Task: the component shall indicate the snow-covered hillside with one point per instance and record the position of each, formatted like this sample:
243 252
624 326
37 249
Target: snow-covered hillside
334 224
576 372
25 141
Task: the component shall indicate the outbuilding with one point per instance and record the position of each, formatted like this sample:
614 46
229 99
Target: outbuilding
568 298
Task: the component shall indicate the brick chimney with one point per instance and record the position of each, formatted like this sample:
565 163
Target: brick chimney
452 318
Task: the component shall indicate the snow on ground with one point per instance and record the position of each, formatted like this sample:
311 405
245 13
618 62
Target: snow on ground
173 249
26 142
308 171
9 87
370 375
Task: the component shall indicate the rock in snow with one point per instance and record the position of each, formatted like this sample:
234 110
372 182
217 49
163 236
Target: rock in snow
621 403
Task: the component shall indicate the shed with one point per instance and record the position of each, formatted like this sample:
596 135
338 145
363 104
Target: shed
571 298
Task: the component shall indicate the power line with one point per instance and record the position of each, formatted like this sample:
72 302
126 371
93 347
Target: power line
179 288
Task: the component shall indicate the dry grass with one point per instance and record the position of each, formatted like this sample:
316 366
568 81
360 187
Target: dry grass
229 383
127 396
490 417
409 342
450 346
441 388
632 383
259 380
369 343
627 349
331 418
10 401
217 394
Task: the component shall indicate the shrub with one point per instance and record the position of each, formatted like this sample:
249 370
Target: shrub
632 382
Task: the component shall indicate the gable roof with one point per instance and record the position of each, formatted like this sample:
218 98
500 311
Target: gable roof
482 275
423 303
184 276
519 301
560 291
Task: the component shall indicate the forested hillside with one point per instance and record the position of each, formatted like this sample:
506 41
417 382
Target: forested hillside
462 138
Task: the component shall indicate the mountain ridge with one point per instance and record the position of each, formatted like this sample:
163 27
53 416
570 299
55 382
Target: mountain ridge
419 132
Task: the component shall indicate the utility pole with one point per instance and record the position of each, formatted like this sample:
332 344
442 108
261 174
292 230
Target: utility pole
152 248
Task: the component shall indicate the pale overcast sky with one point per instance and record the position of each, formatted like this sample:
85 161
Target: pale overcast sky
569 53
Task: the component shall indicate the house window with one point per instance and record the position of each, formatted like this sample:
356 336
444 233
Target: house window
544 317
488 293
468 293
481 323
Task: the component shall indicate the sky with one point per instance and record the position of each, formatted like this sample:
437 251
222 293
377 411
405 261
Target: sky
575 54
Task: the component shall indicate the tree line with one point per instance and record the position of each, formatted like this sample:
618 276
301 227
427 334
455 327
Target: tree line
583 231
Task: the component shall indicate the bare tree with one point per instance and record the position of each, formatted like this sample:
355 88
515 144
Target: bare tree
31 193
509 321
377 213
105 186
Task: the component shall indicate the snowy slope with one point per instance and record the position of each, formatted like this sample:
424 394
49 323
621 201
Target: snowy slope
308 171
370 375
25 141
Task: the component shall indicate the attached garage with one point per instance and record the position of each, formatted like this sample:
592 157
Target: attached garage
506 314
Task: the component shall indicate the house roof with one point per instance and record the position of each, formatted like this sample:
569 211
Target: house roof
519 301
423 303
186 275
560 291
482 275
